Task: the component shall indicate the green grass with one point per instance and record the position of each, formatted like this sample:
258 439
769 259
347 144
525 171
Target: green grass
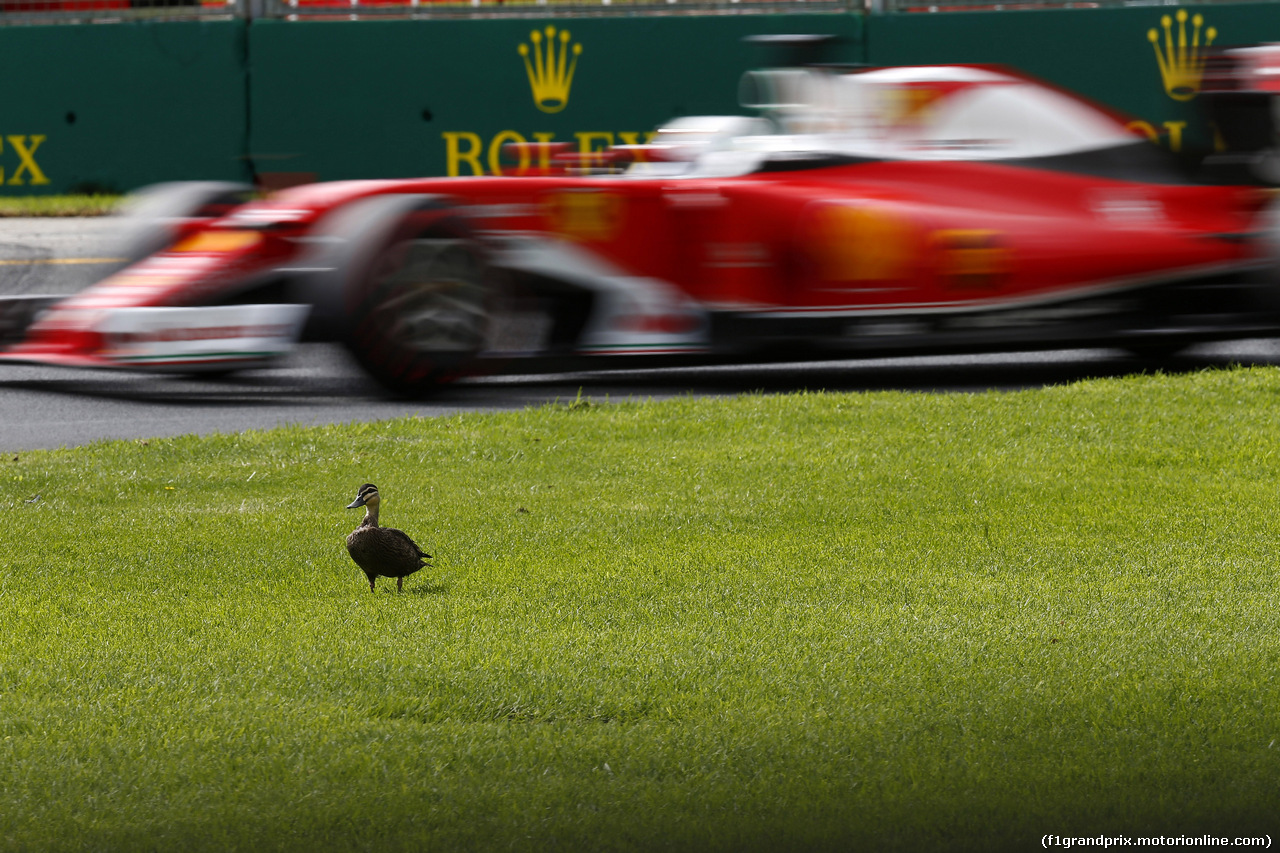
58 205
872 621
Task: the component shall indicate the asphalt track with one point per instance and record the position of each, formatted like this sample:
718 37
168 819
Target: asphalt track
50 407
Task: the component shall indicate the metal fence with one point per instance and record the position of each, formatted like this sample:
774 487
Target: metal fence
113 11
110 11
384 9
1016 5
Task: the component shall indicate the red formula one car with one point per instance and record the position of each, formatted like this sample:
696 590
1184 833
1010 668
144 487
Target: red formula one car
896 210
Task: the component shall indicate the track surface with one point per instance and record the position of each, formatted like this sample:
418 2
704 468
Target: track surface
48 407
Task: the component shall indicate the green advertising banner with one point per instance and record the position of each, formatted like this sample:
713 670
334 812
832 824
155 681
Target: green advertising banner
1145 61
402 98
114 107
107 108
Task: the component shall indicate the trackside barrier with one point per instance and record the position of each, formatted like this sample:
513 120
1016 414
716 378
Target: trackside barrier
280 101
443 97
111 108
464 88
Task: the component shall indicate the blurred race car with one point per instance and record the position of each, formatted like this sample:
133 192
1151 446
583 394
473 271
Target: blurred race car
862 211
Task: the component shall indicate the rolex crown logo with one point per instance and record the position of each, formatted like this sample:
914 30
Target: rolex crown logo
1181 62
550 70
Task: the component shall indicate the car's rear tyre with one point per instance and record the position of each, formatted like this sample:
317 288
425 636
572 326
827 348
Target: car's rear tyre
420 310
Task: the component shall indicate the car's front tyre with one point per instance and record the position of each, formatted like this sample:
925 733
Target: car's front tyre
419 312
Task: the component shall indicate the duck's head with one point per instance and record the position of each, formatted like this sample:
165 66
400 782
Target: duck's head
367 496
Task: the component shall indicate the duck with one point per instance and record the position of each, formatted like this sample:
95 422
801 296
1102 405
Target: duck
383 551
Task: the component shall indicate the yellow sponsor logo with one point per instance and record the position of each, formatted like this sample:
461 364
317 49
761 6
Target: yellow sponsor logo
1173 128
467 153
218 241
550 67
860 243
910 105
28 171
972 258
585 214
1181 58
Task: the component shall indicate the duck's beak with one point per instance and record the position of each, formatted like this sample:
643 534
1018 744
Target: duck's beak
358 502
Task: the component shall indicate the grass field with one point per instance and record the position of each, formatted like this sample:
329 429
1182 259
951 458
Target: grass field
58 205
873 621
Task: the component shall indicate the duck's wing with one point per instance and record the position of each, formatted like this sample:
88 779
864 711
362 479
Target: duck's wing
403 540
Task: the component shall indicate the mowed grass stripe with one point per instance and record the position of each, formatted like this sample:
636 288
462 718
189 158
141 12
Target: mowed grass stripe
59 205
811 621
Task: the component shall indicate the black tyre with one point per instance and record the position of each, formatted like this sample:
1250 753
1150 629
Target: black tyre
419 312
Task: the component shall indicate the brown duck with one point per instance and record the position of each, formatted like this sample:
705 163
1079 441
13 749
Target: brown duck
382 550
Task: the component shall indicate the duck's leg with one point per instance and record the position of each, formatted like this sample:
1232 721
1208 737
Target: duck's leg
372 578
399 584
